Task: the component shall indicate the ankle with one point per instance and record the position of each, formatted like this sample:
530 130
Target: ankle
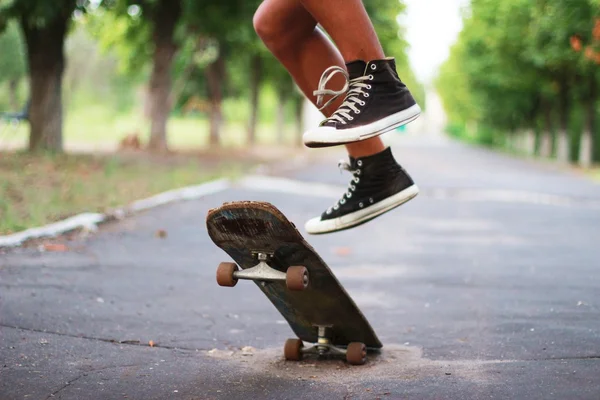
365 148
366 55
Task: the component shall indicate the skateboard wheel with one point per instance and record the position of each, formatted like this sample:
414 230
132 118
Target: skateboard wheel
225 274
296 278
356 353
292 350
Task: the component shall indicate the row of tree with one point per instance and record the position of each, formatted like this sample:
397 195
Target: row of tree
182 48
526 73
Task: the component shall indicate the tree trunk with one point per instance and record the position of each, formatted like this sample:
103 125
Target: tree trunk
546 144
546 135
215 74
521 141
165 19
586 146
280 117
255 80
45 56
530 142
13 85
563 150
512 139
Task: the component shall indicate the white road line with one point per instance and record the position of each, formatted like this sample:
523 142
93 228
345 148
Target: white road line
89 220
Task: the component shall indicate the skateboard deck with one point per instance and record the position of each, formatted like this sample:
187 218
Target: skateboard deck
257 233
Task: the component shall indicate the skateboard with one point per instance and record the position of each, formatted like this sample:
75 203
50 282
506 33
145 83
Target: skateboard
269 250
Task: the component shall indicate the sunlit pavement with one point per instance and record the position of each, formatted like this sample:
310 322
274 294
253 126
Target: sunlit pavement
487 285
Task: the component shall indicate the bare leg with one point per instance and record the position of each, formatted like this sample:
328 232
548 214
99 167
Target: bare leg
342 19
288 28
289 31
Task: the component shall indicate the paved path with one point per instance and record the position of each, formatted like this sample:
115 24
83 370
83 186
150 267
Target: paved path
486 286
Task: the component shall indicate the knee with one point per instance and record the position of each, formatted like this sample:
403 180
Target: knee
276 31
267 27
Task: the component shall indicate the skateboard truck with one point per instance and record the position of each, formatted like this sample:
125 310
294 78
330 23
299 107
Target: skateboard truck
261 271
355 353
296 277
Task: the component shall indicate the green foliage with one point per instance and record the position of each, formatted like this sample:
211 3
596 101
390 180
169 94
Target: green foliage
505 70
12 62
123 29
126 27
207 29
129 37
39 13
108 87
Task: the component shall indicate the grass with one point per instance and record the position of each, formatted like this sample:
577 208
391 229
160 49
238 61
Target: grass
96 129
39 189
90 124
36 190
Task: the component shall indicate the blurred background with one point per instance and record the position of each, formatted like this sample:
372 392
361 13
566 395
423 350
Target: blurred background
105 101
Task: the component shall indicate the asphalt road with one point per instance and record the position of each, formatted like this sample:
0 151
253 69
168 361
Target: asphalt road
486 286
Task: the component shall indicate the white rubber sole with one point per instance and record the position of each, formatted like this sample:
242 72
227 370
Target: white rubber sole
317 226
323 136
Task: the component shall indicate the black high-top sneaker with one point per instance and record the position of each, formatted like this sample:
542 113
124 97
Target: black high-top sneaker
376 102
378 185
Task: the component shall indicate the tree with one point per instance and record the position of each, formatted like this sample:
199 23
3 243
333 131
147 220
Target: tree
513 69
150 29
248 52
215 74
240 46
165 16
550 30
155 31
476 83
590 67
44 25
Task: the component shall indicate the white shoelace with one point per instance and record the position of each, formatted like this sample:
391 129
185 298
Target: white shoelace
353 88
345 165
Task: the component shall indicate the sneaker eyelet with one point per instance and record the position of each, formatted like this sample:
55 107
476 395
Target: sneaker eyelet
359 163
357 111
361 205
362 103
336 207
368 86
351 118
373 67
370 77
353 187
356 180
371 200
343 201
366 94
349 195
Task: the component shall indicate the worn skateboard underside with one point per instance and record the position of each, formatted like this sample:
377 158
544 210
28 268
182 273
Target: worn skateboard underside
242 229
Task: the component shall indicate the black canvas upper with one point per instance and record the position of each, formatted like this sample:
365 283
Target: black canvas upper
374 178
387 93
